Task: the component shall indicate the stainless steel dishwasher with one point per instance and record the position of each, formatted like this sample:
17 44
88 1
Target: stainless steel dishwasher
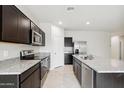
87 77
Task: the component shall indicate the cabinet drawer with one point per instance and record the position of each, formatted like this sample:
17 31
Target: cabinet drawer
25 74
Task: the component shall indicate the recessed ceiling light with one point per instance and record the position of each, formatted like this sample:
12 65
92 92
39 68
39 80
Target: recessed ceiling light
60 22
87 22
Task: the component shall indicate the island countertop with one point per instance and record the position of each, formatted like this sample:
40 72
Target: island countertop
103 65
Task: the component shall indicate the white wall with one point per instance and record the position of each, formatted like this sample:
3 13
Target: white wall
11 50
115 44
115 47
98 41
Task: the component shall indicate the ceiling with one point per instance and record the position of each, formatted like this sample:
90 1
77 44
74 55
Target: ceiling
101 17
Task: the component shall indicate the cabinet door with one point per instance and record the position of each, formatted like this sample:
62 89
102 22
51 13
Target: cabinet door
36 79
34 27
43 38
10 24
68 42
76 70
68 58
32 81
28 83
75 67
23 29
79 74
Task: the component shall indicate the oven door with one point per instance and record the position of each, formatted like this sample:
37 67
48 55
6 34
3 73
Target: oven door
36 38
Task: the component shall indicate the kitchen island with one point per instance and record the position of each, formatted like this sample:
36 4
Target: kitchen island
99 72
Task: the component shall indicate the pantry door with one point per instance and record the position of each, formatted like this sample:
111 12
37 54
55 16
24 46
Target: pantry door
57 47
58 51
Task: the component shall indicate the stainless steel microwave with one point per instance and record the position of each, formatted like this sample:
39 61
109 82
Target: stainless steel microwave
36 38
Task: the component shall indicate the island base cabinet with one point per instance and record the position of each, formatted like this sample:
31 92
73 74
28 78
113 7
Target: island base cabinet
77 70
109 80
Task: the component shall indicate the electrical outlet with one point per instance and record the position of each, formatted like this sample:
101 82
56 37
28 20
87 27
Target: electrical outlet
5 53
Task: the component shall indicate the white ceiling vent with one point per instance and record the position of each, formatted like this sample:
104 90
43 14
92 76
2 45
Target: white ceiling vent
70 8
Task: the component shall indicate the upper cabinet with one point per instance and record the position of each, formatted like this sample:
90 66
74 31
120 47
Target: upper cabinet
43 38
68 42
23 29
15 26
9 24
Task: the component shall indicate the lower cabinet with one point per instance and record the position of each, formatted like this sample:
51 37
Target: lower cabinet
77 70
83 73
27 83
31 78
68 58
32 81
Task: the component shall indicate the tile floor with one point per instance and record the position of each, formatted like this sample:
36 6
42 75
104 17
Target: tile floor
61 77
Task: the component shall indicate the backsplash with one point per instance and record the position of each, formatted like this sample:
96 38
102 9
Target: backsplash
12 50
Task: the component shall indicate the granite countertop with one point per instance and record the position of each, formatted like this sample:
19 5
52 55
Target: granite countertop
103 65
41 55
16 66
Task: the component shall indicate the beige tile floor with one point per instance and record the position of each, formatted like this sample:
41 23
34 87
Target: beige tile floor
61 77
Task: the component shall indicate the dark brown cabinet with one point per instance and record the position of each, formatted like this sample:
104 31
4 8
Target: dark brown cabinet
77 70
15 26
68 58
27 83
34 27
23 29
43 38
68 42
31 78
36 79
79 75
9 24
33 81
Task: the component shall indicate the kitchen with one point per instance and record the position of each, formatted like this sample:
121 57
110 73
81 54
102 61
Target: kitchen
33 45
